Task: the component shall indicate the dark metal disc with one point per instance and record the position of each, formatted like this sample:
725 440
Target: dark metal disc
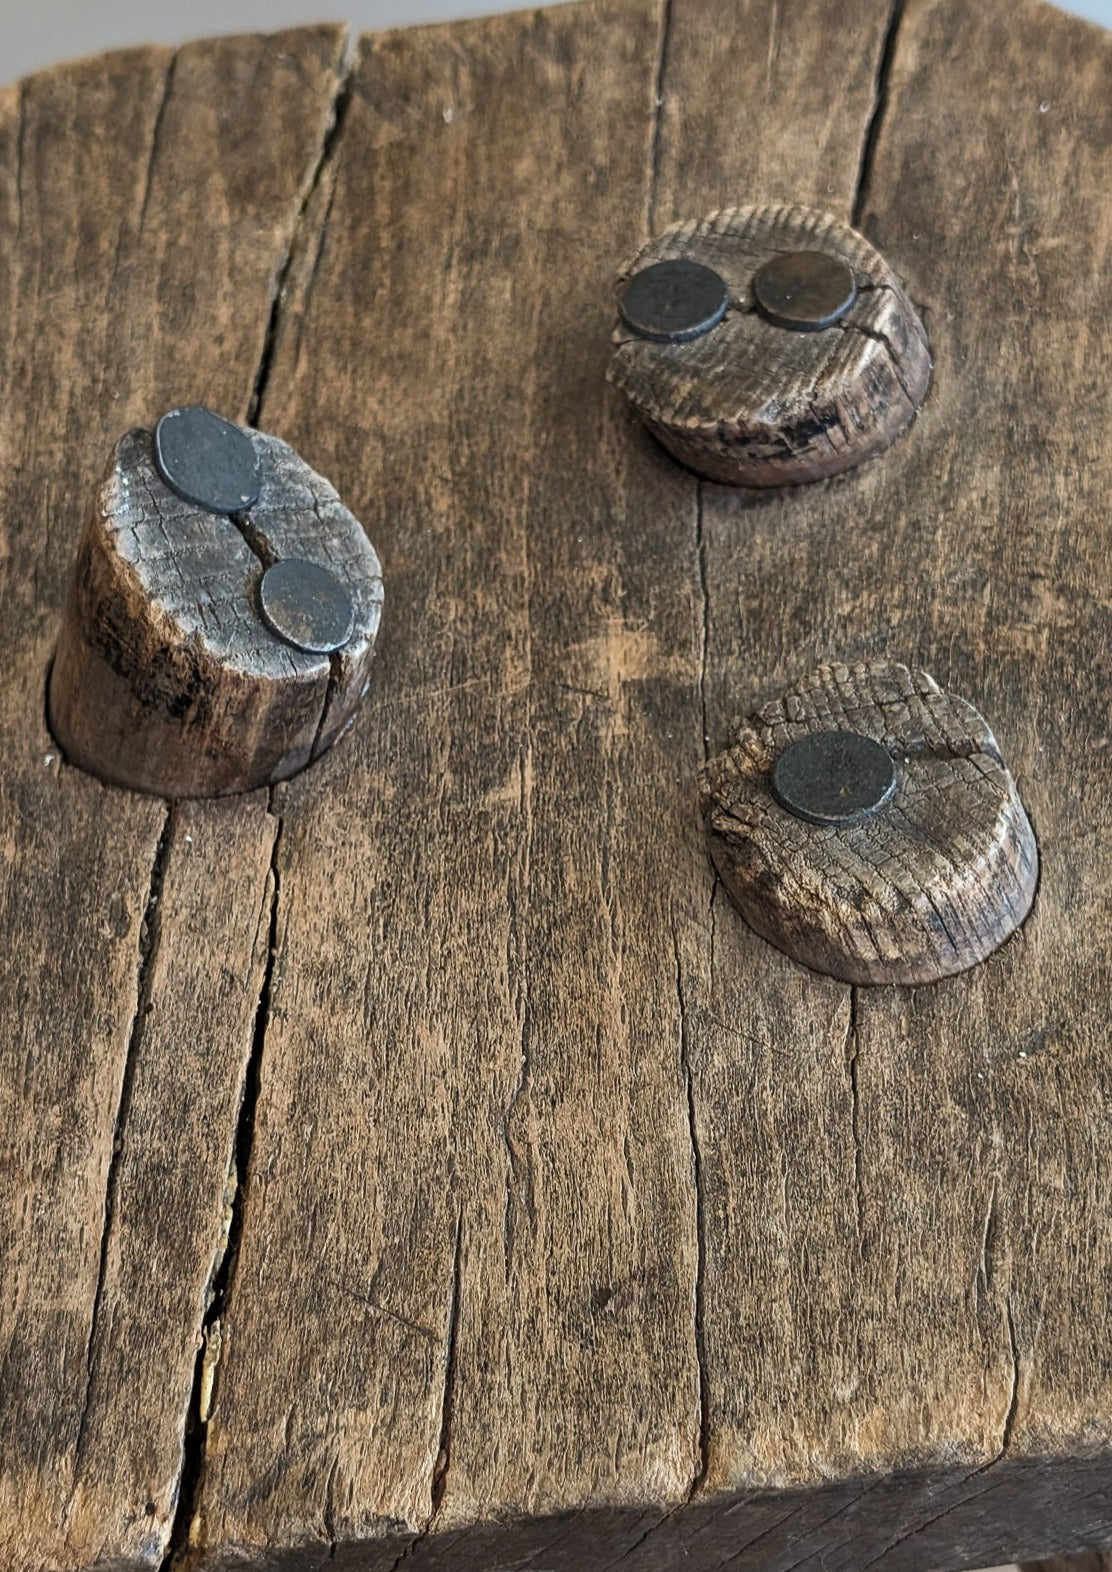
674 301
805 291
207 461
834 777
307 606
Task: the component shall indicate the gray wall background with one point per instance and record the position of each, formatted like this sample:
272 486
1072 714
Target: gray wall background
36 33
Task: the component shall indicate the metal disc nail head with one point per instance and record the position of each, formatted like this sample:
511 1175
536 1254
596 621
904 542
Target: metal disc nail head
307 606
674 301
834 777
805 291
207 461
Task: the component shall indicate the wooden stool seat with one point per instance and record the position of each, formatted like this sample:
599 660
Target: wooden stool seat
421 1164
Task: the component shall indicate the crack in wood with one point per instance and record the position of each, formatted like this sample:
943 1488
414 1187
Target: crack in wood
443 1462
853 1050
330 1508
150 934
985 1270
704 585
329 149
903 1536
223 1274
447 1402
156 141
520 1172
1013 1396
876 119
222 1278
826 1549
335 679
699 1296
656 119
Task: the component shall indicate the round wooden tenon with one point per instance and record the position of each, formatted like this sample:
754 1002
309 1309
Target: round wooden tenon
815 361
184 666
866 824
417 1164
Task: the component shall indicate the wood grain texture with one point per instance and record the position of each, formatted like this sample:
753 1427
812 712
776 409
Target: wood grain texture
752 404
146 202
572 1225
166 679
934 883
911 1157
526 660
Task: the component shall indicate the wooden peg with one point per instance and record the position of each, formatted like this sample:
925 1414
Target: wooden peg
807 357
901 857
204 652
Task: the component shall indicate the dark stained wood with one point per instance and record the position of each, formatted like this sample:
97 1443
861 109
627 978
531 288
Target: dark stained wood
753 404
166 677
929 886
1086 1561
516 1204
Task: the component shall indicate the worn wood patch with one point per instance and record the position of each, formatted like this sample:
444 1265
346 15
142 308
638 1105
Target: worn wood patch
528 1208
751 403
927 885
146 201
166 677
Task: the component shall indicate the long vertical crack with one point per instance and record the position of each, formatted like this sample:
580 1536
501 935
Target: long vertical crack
853 1049
150 938
704 585
157 136
700 1473
657 135
227 1257
1013 1396
447 1404
700 1234
224 1267
880 108
329 148
447 1401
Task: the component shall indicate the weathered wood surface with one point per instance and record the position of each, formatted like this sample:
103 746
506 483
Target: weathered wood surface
570 1224
936 881
752 404
166 677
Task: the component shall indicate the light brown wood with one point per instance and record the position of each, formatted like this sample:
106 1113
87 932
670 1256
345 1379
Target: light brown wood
753 404
166 678
146 202
528 1208
929 886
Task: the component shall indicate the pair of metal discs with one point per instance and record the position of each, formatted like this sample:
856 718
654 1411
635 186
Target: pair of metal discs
213 464
675 301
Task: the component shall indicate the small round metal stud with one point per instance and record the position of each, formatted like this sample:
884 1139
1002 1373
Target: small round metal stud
675 301
307 606
805 291
207 461
834 777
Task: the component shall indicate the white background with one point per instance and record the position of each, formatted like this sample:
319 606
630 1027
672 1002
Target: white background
35 33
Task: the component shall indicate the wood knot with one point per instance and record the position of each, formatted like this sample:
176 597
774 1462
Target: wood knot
897 874
206 650
807 357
